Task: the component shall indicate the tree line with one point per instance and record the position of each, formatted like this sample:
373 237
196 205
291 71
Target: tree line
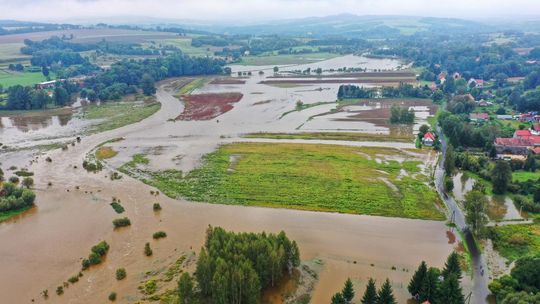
236 267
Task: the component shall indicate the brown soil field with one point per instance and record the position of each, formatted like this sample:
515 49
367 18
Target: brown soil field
208 106
92 35
228 81
398 74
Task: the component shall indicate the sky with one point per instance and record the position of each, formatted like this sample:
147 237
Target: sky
256 10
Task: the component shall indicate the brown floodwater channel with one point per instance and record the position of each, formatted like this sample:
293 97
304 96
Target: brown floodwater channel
43 248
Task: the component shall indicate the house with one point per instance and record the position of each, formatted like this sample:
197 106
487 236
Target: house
505 117
477 83
478 117
512 146
536 151
442 77
46 85
522 134
483 103
535 130
429 139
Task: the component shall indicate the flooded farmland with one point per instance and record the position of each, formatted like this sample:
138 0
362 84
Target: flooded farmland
73 212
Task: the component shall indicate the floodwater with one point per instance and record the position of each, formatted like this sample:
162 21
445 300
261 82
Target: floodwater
500 207
47 244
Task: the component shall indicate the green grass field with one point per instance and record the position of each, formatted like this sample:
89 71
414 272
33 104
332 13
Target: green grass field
8 79
118 114
185 45
523 176
272 59
348 136
515 241
308 177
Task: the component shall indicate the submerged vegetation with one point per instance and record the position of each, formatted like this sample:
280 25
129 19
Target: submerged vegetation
97 254
14 200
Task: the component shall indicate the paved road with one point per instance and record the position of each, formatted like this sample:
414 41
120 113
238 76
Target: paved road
480 273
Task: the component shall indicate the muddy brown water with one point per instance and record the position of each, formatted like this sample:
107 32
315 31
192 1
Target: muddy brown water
44 247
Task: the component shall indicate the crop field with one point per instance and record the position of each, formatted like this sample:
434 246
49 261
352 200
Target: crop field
185 45
274 59
523 176
114 115
8 78
348 136
308 177
515 241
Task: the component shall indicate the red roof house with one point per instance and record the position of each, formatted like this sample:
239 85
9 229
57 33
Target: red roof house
522 133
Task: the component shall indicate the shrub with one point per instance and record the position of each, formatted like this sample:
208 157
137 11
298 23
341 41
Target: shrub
48 159
117 207
97 253
73 279
59 290
121 222
156 207
147 249
112 296
14 179
28 182
159 235
24 173
120 274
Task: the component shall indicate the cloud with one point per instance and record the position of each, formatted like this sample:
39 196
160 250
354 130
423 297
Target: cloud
106 10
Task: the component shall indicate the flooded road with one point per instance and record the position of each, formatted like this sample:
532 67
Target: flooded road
73 214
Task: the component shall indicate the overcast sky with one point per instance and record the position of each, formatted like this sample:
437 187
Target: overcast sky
250 10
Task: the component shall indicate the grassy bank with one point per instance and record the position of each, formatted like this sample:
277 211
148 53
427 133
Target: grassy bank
515 241
118 114
347 136
308 177
6 215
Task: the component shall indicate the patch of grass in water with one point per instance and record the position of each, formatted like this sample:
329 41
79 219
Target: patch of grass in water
105 152
308 177
118 114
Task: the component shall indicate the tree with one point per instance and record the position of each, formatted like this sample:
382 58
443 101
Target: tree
386 295
428 291
501 175
424 129
450 292
276 69
348 291
452 266
28 182
530 163
448 184
338 299
185 288
500 79
370 295
450 161
61 96
475 212
415 285
148 85
45 71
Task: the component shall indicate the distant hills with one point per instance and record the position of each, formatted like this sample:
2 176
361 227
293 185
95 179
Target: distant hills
343 25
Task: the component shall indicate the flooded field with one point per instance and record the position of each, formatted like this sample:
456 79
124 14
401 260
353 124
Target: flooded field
73 213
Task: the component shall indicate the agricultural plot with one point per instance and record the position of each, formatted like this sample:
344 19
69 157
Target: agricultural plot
8 78
516 241
374 181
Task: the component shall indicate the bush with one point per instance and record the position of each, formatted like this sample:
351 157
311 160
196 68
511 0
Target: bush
24 173
97 253
147 249
121 222
156 207
59 290
120 274
28 182
112 296
117 207
14 179
159 235
73 279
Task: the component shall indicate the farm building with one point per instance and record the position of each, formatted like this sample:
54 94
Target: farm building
429 139
478 117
